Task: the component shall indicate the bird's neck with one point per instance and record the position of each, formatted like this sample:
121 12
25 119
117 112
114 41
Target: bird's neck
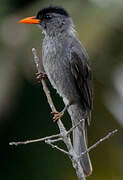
59 34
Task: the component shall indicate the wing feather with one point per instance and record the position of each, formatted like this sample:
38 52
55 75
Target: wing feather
81 71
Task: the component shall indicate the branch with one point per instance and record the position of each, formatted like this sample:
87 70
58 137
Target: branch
71 129
34 140
98 142
58 148
64 135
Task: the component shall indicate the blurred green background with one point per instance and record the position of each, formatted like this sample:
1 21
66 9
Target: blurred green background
24 111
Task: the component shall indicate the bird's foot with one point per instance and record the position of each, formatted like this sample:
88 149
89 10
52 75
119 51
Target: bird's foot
57 115
41 76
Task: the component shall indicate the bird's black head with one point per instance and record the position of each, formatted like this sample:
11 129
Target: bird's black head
47 12
51 19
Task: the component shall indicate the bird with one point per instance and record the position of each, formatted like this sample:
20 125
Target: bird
67 66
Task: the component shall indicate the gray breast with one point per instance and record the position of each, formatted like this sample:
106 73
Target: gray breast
56 64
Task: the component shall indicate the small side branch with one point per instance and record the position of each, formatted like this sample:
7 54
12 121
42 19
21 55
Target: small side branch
58 148
71 129
34 140
100 141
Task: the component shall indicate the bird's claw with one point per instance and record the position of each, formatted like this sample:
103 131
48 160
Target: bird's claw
41 76
57 115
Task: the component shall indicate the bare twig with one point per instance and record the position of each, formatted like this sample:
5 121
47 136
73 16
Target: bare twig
100 141
34 140
53 140
58 148
71 129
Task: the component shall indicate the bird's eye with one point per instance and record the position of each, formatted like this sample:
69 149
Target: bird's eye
39 16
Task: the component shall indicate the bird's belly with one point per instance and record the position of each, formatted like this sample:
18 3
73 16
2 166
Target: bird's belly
60 76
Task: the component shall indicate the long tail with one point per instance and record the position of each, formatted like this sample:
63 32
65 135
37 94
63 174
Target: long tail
80 139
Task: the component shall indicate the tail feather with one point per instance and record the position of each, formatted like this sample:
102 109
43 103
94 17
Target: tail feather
79 144
80 137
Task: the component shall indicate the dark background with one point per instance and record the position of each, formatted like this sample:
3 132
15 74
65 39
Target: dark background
24 111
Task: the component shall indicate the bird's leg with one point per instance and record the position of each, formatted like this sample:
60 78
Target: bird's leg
41 75
58 115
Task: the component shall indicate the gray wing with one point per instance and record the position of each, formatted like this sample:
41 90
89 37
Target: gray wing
81 71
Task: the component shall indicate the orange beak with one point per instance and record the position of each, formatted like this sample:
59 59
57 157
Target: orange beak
30 20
